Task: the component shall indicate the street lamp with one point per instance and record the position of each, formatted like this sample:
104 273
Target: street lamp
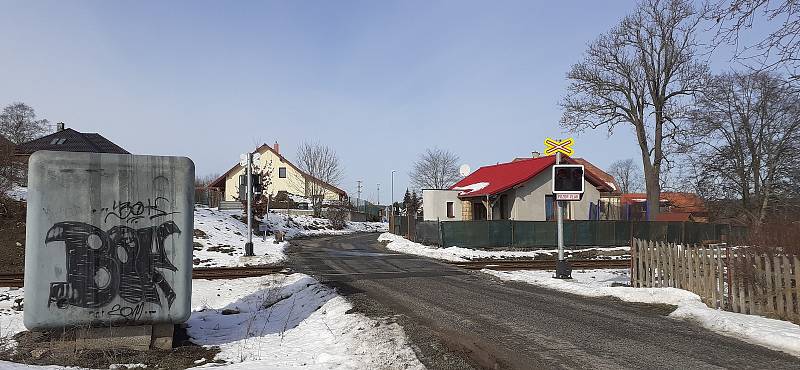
391 219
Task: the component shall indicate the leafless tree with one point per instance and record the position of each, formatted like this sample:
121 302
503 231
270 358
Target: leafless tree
627 174
779 48
9 168
205 180
748 125
640 73
435 169
322 165
18 123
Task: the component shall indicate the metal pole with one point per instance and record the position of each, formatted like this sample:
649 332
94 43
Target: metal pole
563 270
248 248
391 219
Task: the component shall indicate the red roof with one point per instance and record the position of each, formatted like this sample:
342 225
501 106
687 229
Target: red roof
490 180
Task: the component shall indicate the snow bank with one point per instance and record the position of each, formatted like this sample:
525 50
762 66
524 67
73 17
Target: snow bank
301 225
458 254
271 322
776 334
280 322
219 240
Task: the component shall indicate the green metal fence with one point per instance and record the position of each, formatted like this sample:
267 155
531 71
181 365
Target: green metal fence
542 234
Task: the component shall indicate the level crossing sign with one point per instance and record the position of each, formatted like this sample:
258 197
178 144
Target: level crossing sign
551 146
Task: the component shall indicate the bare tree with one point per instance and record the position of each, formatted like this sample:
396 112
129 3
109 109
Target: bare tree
640 74
435 169
748 125
322 165
627 174
18 123
9 168
779 48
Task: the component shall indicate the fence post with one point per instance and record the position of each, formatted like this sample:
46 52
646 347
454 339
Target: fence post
634 264
776 267
787 288
751 282
730 276
797 286
758 283
770 307
720 276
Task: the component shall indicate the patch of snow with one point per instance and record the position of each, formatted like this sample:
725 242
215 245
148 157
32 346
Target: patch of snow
302 225
611 185
458 254
469 189
223 241
775 334
280 322
18 193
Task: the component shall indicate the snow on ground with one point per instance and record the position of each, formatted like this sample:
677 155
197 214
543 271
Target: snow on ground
776 334
280 322
18 193
458 254
271 322
220 236
219 241
301 225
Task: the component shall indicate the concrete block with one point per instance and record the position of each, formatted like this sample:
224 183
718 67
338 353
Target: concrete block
162 336
108 239
136 338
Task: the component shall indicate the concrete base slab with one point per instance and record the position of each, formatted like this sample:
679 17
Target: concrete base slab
162 336
137 338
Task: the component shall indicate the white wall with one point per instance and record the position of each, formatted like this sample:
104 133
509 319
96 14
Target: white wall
434 205
527 202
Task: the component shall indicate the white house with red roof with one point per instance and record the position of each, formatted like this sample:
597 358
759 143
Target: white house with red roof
518 190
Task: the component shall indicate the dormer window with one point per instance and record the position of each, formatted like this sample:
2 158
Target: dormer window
57 141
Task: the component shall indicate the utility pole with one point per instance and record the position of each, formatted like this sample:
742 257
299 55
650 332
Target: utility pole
358 197
391 215
378 201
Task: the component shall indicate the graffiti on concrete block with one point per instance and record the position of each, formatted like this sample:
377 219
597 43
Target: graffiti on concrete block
102 265
132 212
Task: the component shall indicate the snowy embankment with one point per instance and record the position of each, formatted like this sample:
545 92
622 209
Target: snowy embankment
291 321
219 236
219 240
776 334
271 322
458 254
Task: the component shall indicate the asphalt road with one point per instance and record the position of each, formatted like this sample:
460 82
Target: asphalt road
460 319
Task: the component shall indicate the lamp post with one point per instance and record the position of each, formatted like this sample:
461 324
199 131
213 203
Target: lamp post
391 219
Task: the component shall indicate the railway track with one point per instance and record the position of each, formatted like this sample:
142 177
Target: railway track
221 273
15 280
541 264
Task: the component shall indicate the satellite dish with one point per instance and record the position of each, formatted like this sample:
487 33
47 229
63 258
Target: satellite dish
464 170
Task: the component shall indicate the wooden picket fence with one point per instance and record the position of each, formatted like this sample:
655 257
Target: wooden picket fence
733 279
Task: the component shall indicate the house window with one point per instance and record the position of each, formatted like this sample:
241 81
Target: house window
57 141
550 206
451 213
282 172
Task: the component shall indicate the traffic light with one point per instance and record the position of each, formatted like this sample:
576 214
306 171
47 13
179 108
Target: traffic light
567 179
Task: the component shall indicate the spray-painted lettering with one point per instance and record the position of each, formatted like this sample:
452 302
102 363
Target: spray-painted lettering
120 262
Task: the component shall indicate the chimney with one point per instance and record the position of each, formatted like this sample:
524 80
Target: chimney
536 154
60 126
277 147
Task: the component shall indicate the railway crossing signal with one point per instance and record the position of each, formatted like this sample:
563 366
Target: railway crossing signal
567 184
552 146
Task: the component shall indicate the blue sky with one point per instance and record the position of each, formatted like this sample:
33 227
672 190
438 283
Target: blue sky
379 81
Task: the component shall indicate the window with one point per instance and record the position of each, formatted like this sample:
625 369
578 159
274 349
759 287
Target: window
550 206
57 141
282 172
451 213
